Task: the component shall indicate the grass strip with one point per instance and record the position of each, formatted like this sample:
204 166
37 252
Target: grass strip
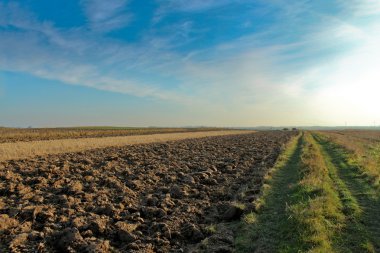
360 151
361 200
300 210
267 229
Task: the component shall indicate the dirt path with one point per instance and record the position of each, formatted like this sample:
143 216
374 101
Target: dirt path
21 150
361 201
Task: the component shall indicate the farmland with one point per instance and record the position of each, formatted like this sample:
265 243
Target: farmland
204 126
321 197
270 191
37 134
25 149
148 198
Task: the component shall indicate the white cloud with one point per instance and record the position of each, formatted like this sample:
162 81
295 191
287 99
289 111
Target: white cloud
345 86
32 56
105 16
74 56
249 80
362 7
351 88
191 6
79 57
172 6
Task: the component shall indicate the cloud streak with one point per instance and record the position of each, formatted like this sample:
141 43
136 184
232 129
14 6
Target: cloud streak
266 72
362 7
191 6
105 16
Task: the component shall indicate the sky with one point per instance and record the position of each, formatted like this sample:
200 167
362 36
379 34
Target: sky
189 63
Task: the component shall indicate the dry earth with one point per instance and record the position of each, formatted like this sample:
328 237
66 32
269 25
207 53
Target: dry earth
39 134
19 150
160 197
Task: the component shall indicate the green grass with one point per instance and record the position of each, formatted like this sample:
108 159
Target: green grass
270 228
361 150
318 210
211 229
361 200
314 202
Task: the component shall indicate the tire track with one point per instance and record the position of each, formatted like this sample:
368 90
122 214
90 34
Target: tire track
361 201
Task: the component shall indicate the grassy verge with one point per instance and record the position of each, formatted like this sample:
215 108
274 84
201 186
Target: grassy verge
301 209
319 211
362 150
267 230
361 200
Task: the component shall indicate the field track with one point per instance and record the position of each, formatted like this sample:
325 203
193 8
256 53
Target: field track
315 201
231 191
21 150
361 201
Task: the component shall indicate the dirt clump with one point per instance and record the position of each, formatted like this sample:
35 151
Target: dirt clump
158 197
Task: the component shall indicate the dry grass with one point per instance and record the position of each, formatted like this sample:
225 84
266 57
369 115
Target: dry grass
300 209
364 148
34 134
20 150
314 202
319 213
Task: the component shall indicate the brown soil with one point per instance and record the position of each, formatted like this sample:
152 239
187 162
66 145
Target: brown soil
159 197
38 134
28 149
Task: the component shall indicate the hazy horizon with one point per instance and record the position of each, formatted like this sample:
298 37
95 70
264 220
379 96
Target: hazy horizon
179 63
279 127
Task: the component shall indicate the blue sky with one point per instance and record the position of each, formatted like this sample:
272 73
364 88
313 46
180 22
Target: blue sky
177 62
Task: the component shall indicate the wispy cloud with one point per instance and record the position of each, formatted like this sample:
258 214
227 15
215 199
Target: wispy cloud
286 66
362 7
74 56
195 6
105 16
36 58
191 6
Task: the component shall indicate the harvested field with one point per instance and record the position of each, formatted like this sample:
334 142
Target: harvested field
38 134
20 150
369 135
163 197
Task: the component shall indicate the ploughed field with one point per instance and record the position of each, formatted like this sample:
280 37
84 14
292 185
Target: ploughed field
162 197
38 134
